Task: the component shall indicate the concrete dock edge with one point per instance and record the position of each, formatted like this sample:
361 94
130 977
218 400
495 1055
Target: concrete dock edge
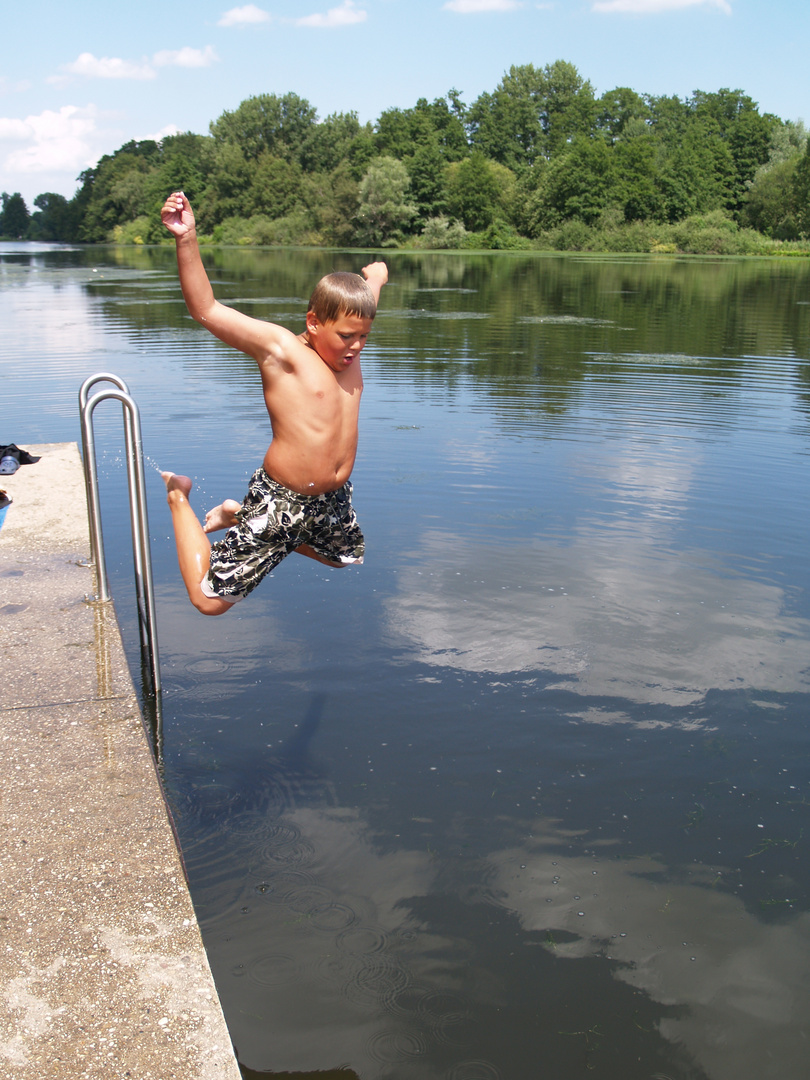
102 968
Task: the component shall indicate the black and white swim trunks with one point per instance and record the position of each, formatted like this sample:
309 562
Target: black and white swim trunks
272 522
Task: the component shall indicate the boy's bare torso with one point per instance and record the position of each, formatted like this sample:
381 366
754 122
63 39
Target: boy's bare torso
314 415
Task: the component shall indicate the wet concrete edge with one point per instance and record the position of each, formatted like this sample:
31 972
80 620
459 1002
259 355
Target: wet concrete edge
102 968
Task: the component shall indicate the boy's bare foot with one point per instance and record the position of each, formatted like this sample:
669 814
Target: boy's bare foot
221 517
174 482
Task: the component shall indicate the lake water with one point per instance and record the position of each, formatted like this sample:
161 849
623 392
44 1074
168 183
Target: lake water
525 796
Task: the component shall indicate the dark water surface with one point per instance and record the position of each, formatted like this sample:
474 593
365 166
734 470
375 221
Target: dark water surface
526 796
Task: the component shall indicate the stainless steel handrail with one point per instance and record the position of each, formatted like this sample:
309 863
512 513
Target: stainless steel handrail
147 623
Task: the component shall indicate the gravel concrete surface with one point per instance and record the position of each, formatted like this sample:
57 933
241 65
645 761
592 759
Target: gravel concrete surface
102 968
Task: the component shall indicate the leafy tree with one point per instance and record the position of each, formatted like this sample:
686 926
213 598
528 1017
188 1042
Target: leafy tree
267 123
15 217
616 109
332 201
570 105
386 208
801 191
185 163
402 132
747 134
788 140
669 117
579 184
275 187
749 142
528 196
538 153
634 161
770 203
725 106
53 219
118 189
330 142
440 232
131 184
426 170
226 194
479 191
698 173
362 152
532 113
506 125
448 125
733 117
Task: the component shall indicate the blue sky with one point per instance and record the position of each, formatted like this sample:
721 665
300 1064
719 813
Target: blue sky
79 80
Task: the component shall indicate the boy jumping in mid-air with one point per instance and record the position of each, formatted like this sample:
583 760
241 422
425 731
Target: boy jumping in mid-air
300 500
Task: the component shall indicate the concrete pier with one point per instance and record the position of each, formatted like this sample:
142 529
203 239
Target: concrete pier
102 969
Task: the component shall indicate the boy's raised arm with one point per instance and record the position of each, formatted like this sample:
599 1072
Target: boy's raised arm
252 336
376 275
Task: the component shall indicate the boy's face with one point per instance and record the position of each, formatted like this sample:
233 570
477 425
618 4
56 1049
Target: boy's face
338 343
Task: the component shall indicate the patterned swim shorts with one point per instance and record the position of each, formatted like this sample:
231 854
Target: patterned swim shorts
272 522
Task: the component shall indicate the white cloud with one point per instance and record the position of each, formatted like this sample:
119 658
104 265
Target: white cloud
471 7
8 87
11 128
109 67
653 7
186 57
113 67
244 16
715 962
690 631
157 136
60 141
345 15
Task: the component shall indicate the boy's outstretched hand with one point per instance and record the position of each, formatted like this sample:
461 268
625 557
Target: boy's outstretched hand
177 215
376 274
377 270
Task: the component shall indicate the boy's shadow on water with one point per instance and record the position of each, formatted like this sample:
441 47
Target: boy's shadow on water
292 776
228 813
270 780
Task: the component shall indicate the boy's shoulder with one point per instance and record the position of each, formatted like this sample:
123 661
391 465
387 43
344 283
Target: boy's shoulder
286 352
277 342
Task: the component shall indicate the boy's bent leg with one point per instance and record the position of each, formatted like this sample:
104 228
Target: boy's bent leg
305 549
193 546
335 538
221 517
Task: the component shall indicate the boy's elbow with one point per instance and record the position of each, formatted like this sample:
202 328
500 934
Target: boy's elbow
201 313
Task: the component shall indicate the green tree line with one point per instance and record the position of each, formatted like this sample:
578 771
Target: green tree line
540 161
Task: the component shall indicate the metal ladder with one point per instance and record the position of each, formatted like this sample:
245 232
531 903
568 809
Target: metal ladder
138 516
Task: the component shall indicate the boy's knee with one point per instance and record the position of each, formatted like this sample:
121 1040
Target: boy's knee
209 605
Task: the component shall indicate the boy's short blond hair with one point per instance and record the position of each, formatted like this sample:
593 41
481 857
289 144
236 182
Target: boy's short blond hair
341 294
